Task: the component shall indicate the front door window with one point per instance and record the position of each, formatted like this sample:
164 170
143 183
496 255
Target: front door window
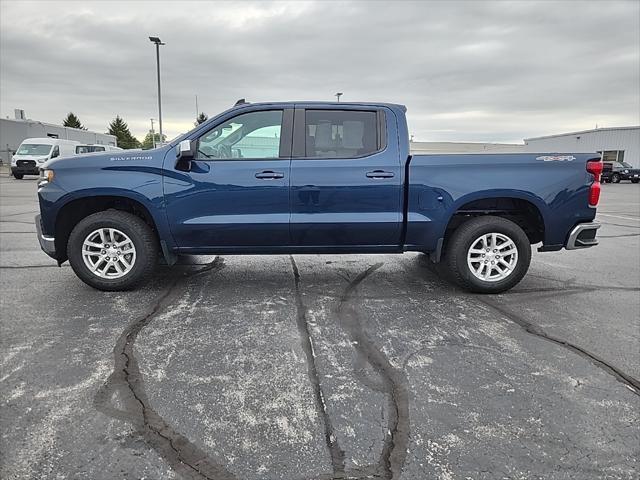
248 136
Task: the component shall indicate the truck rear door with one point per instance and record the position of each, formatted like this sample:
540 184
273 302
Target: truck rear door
346 181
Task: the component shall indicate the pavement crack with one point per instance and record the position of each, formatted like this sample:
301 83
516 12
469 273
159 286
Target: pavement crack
9 267
630 382
331 440
617 225
620 236
126 385
393 381
22 213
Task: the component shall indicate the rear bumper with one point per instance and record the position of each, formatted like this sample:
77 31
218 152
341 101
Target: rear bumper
47 244
583 235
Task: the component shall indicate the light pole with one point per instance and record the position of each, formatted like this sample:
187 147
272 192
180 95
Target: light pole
338 95
158 42
153 134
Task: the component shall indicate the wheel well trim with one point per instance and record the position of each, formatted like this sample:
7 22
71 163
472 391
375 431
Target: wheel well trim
152 209
537 202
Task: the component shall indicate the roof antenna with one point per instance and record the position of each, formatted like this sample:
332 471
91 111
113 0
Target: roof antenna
242 101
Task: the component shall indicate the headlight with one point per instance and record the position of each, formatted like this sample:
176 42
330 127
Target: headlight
626 171
46 176
13 161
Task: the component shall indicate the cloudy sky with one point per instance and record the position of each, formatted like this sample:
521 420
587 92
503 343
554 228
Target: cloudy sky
467 71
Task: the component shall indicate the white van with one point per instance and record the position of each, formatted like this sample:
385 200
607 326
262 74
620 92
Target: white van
33 152
80 149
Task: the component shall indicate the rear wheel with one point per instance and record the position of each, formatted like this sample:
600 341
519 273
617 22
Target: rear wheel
112 250
488 255
615 178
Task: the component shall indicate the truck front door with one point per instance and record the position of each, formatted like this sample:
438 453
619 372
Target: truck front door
346 178
236 192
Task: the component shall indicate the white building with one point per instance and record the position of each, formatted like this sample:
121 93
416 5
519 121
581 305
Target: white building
464 147
14 131
617 143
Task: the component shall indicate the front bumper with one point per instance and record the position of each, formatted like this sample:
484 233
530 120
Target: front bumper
25 169
583 235
47 244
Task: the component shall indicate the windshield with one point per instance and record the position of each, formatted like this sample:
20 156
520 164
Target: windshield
89 149
626 165
33 149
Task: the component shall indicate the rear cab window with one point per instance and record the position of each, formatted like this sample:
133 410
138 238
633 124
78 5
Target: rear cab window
332 133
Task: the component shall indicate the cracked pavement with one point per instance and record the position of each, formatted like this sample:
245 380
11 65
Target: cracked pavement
321 366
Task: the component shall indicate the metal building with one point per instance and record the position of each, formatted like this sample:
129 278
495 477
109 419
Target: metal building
617 144
14 131
464 147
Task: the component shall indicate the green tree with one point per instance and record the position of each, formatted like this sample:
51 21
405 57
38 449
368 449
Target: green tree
201 119
120 129
72 121
148 140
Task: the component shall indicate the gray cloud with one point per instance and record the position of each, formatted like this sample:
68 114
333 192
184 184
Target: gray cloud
473 71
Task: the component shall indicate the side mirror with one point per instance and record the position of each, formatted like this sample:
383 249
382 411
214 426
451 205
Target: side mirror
186 150
184 155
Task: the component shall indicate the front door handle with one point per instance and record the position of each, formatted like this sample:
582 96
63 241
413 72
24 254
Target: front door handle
269 175
380 174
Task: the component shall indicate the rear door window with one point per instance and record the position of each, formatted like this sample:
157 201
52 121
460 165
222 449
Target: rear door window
341 133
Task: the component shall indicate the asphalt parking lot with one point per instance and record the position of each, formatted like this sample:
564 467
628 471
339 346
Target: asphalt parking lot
320 367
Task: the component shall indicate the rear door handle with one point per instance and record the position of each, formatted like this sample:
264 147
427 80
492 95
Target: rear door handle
380 174
269 175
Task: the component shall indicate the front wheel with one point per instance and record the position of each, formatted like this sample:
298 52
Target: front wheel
18 176
635 180
488 255
112 250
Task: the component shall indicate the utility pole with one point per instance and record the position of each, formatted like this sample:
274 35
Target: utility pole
153 134
338 95
158 42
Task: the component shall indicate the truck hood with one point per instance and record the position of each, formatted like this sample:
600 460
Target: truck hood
30 157
100 160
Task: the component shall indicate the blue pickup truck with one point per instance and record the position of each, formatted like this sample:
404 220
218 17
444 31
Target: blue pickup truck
310 177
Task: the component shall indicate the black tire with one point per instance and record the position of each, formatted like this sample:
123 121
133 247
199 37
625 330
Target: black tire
615 178
635 180
18 176
142 236
455 255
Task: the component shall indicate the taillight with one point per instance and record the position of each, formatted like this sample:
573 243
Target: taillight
594 194
594 167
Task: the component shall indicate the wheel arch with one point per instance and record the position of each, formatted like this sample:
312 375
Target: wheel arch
75 209
524 209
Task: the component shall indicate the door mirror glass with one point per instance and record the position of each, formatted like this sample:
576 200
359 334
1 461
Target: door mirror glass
186 149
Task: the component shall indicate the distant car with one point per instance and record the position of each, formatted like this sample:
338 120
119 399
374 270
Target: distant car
33 152
615 172
82 149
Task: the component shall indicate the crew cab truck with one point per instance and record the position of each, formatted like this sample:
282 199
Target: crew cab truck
310 177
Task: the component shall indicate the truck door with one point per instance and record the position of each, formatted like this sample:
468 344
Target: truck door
236 192
346 181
